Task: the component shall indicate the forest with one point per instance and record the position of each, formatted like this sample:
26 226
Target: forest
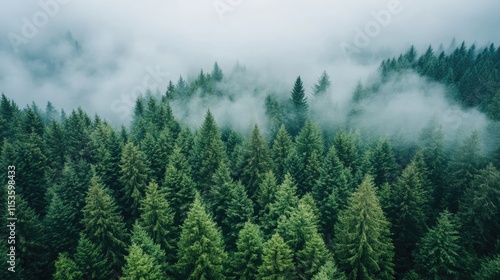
298 194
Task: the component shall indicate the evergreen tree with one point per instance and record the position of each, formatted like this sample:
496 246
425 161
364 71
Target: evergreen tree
217 74
178 186
151 248
329 271
267 193
363 246
156 217
383 163
134 178
282 145
66 268
77 129
208 153
408 202
140 265
201 252
299 107
220 193
277 260
56 148
479 211
309 149
103 224
438 252
463 167
323 85
286 200
490 270
239 210
248 256
255 162
347 150
90 261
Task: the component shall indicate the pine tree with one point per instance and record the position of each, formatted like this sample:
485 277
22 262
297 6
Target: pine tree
383 162
248 256
208 153
282 145
347 150
300 233
201 252
479 211
490 269
239 211
438 253
463 167
178 186
286 200
277 260
56 148
309 149
66 268
323 85
363 246
217 74
134 178
77 130
220 193
140 265
408 202
103 224
299 106
156 217
255 162
151 248
329 271
90 261
267 193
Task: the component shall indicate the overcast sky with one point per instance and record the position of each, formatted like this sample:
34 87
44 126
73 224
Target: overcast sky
122 43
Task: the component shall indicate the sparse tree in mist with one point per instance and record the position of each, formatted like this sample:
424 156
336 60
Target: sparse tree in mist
217 74
322 86
298 108
170 93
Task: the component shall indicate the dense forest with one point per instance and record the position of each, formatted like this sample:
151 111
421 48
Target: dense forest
290 198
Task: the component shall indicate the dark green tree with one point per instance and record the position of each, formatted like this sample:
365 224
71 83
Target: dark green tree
103 223
134 171
156 217
90 261
438 252
298 108
267 193
151 248
346 146
383 164
239 210
255 162
277 260
201 252
363 246
66 268
282 145
490 269
309 149
248 256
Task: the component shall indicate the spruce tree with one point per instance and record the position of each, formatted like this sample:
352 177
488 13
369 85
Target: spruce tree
248 256
156 217
323 85
490 269
221 193
383 163
208 153
103 223
479 212
407 204
309 149
299 106
329 271
277 260
90 261
140 265
151 248
438 252
66 268
239 210
286 200
267 193
134 171
255 162
347 150
217 74
178 185
282 145
200 252
363 246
